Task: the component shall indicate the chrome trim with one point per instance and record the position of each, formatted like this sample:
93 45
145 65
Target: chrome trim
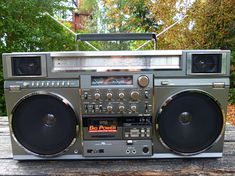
117 53
154 156
122 52
169 99
43 65
190 81
201 155
57 96
108 63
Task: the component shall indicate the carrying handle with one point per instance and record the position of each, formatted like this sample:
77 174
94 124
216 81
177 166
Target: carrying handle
117 37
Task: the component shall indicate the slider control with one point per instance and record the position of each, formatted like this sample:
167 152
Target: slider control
146 107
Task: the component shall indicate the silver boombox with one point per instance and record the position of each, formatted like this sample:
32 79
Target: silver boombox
116 104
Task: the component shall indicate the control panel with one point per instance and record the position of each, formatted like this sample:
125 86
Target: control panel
112 95
117 111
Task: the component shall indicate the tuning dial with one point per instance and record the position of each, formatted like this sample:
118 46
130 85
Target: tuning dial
143 81
121 95
109 95
133 108
135 95
97 96
121 108
109 108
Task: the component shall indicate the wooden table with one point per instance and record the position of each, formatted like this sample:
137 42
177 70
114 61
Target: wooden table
225 165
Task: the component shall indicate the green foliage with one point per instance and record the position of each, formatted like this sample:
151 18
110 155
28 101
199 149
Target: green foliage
23 27
87 6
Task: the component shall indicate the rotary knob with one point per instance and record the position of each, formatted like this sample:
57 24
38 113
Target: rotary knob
135 95
133 108
109 95
121 108
97 96
121 95
143 81
109 108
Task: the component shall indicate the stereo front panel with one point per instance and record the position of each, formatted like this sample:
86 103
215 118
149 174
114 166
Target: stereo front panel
117 104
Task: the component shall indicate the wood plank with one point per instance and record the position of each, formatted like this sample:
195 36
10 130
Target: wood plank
221 166
121 167
5 147
3 119
229 127
229 136
4 126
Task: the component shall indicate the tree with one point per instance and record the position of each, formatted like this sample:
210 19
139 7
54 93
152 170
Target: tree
24 27
214 28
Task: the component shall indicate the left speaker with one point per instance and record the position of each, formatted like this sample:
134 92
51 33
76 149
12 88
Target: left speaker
44 124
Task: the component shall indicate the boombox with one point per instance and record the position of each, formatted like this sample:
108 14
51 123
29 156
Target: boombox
116 104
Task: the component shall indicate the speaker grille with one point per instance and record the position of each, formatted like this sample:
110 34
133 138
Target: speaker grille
26 66
206 63
44 124
190 122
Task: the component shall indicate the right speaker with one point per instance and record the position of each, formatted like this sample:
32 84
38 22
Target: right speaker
190 122
190 107
206 63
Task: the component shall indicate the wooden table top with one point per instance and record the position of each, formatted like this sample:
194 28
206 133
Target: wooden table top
221 166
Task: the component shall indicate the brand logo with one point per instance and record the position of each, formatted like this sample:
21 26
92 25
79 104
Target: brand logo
102 128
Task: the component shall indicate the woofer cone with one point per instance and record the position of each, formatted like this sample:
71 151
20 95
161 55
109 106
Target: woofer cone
44 124
190 122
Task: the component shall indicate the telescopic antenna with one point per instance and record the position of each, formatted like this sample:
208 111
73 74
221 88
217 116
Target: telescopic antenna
65 27
169 27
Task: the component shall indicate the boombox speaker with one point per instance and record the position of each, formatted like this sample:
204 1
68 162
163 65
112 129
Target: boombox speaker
117 104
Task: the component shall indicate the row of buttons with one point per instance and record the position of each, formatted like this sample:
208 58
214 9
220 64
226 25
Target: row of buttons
50 84
135 133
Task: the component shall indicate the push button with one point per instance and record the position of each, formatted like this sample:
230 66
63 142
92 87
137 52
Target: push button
85 95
